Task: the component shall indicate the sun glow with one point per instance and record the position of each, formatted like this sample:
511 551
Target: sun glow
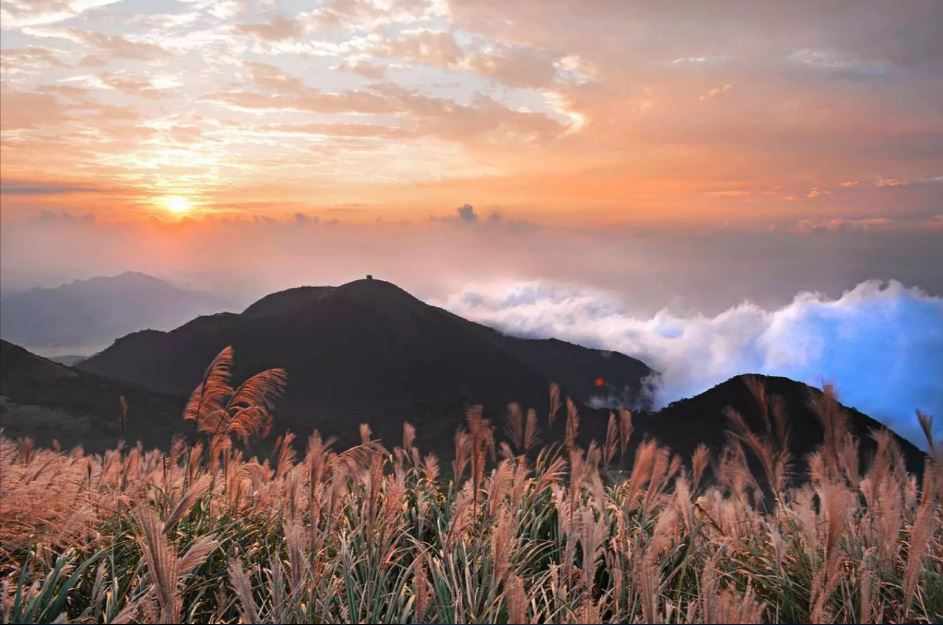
178 205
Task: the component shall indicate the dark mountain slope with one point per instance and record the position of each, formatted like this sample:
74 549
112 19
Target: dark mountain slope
702 419
367 351
47 400
579 368
91 313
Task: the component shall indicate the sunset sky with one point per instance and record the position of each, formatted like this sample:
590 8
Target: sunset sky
715 187
797 115
687 153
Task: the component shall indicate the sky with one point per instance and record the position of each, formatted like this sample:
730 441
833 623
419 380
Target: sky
793 115
687 161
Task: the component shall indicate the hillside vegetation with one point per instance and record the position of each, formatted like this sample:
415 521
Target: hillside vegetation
204 533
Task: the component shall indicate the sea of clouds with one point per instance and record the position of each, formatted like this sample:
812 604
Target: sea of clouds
880 343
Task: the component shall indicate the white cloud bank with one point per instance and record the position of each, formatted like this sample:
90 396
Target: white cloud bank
880 343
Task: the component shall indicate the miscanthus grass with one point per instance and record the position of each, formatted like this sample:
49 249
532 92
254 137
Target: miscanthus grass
373 534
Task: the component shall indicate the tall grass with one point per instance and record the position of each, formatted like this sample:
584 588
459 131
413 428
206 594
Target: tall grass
372 534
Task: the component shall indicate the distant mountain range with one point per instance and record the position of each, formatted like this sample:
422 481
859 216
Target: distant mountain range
369 352
89 314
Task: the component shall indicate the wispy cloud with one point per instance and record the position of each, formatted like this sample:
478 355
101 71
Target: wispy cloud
27 188
20 13
840 64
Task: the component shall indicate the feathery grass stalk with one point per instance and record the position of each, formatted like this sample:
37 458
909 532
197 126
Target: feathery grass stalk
369 535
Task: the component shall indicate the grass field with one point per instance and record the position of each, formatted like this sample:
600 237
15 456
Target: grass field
369 534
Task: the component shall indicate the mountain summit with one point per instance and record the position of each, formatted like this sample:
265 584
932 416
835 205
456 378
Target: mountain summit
368 351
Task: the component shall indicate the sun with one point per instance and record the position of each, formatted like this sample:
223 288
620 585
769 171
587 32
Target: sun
177 204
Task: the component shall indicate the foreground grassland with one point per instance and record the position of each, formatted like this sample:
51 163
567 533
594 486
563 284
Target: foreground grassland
202 534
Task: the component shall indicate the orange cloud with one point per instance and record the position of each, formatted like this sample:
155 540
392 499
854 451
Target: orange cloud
558 111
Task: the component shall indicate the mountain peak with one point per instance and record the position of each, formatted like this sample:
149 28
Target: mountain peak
371 291
381 290
367 350
702 418
134 274
370 283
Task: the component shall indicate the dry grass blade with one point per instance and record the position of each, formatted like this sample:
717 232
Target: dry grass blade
572 424
612 439
920 533
161 565
242 585
926 425
515 598
212 394
250 408
262 389
186 502
554 403
699 461
515 426
371 535
531 430
775 462
409 435
243 412
421 588
625 430
196 555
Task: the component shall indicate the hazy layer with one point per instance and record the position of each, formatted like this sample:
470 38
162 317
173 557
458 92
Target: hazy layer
689 270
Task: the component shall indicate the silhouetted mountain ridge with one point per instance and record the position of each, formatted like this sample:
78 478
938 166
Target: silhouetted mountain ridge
368 351
686 423
47 400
